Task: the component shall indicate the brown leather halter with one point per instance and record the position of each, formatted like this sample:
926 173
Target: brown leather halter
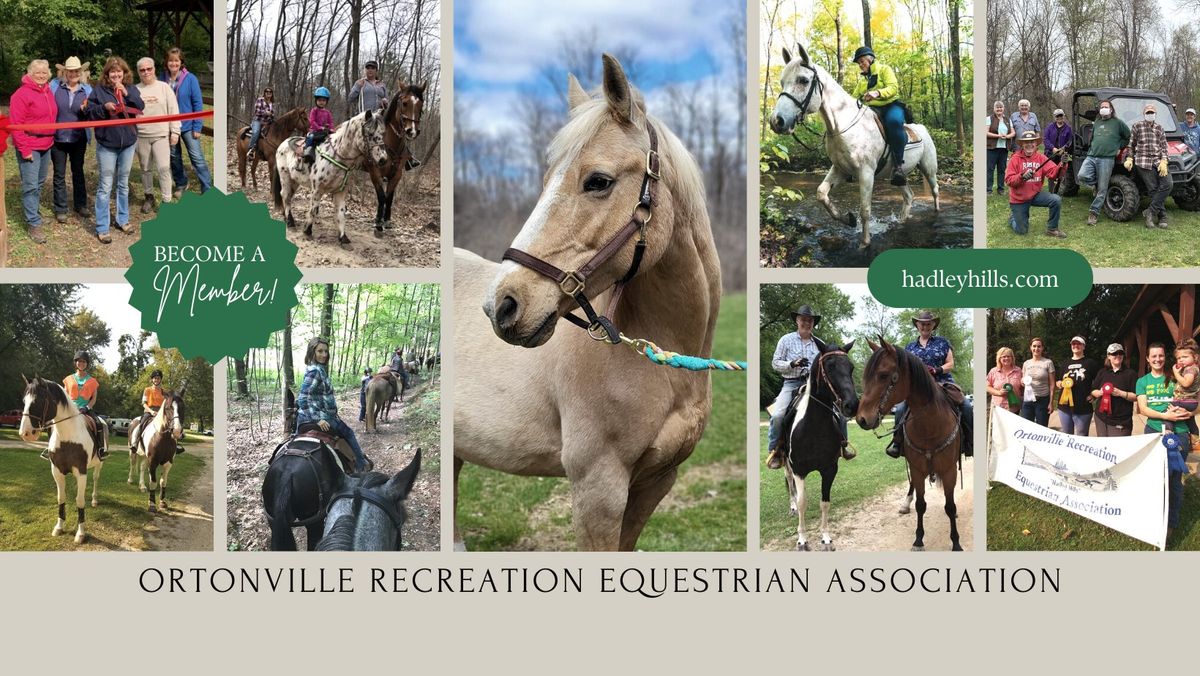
573 282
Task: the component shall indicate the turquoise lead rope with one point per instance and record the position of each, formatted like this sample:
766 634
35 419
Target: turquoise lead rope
663 357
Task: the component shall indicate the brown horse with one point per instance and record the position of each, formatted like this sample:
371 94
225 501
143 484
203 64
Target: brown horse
557 403
295 121
932 436
379 398
403 118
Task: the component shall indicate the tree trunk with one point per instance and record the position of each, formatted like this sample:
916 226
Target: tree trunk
239 377
956 68
866 6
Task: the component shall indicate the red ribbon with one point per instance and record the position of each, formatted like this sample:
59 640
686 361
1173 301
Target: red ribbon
1106 391
6 128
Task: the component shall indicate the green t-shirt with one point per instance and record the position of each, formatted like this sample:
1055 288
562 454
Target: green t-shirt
1158 397
1108 137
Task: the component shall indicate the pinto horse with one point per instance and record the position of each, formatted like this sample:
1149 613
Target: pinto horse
367 513
73 445
558 403
295 121
932 436
816 435
358 140
403 121
854 138
157 445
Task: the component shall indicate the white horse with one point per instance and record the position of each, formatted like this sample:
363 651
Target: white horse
854 138
72 447
358 141
154 448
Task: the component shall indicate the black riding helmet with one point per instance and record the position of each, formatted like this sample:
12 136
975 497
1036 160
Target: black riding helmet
84 356
863 51
156 374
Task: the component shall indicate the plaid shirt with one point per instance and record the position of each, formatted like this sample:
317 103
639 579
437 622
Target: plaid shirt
264 111
316 401
790 348
1148 143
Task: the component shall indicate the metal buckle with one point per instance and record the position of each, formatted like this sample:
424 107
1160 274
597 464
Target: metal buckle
571 278
601 337
646 220
651 164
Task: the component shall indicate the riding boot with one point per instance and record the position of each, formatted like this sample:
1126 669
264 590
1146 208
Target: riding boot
411 164
250 155
899 176
775 458
968 439
896 448
847 452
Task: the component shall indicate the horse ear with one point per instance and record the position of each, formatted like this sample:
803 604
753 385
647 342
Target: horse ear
802 55
872 345
847 347
787 56
617 91
25 379
397 488
576 96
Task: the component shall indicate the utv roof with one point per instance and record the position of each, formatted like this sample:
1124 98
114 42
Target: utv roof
1117 92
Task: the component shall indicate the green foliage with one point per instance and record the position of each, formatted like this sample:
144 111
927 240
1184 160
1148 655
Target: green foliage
1096 318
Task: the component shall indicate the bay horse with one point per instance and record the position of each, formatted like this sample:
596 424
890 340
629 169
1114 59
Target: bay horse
357 140
73 445
295 121
603 416
157 445
380 390
815 434
932 436
367 513
403 121
854 138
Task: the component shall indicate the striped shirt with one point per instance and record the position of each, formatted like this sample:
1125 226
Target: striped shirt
1148 143
316 401
790 348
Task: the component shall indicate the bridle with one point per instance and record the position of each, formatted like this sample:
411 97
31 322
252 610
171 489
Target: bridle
42 423
360 495
816 86
573 282
820 367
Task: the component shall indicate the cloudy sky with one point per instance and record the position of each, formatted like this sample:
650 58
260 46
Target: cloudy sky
110 302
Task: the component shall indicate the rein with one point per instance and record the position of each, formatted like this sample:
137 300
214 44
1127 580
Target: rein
360 495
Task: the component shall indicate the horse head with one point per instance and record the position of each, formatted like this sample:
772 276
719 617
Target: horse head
600 169
42 402
373 129
406 109
884 383
836 373
366 513
800 91
295 121
172 412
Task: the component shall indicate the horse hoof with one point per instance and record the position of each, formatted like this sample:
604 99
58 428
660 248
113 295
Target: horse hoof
794 512
56 532
828 546
904 510
80 539
343 239
153 508
95 503
379 231
803 547
918 548
142 489
956 548
129 481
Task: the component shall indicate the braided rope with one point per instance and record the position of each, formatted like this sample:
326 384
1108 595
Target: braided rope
663 357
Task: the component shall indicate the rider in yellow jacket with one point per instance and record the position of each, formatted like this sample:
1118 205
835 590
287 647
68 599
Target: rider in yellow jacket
879 88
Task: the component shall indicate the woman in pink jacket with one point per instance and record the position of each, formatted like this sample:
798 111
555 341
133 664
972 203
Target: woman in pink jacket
33 103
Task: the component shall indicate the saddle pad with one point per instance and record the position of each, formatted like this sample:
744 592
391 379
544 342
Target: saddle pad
305 446
913 139
911 134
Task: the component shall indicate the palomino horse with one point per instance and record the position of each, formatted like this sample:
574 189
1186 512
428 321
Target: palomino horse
158 444
367 513
295 121
380 390
931 429
403 120
614 424
854 139
815 435
73 447
358 140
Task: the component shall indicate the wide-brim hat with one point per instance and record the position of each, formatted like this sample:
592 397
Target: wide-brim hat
1029 136
72 64
927 316
806 311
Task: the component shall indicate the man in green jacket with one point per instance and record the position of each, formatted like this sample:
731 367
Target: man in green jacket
879 88
1109 135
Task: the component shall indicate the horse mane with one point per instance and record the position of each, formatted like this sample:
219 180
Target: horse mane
415 91
919 379
57 393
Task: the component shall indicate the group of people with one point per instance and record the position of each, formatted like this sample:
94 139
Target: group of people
1025 172
70 98
797 352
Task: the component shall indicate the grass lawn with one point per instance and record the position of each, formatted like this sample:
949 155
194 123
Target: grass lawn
28 506
1052 528
1108 244
705 511
868 474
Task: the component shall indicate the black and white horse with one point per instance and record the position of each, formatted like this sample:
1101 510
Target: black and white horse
367 512
153 450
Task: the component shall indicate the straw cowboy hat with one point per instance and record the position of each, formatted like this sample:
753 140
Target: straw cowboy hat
927 316
1029 136
73 64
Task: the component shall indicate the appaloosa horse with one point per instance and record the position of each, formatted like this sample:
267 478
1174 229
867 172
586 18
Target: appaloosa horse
295 121
614 424
74 445
931 431
816 434
854 138
367 513
157 444
403 120
357 140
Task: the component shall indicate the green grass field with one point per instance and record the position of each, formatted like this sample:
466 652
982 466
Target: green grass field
1108 244
28 506
705 511
859 480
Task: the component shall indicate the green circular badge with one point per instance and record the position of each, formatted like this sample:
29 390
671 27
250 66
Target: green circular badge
213 275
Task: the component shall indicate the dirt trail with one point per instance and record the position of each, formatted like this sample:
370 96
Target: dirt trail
187 524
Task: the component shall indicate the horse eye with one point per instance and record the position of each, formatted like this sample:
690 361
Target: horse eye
597 183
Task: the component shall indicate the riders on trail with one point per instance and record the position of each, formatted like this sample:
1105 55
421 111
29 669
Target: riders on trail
938 356
264 115
879 88
82 389
794 356
320 124
317 403
368 92
362 395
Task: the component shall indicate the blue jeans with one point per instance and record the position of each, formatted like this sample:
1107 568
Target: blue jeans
178 175
113 164
893 121
997 163
1019 218
1037 411
60 155
343 430
782 401
362 404
255 131
1075 423
1095 171
33 175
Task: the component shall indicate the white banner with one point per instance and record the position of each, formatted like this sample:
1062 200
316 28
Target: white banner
1119 482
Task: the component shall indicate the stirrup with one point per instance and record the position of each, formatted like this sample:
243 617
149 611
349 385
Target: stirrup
899 177
893 449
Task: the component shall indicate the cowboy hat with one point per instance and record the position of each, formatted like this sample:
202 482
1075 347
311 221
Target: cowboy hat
1029 136
927 316
807 311
72 64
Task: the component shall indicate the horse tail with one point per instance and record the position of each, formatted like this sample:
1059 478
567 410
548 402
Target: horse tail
280 515
276 186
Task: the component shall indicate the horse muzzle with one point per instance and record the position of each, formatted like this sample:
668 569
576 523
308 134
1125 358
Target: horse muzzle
521 313
782 125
